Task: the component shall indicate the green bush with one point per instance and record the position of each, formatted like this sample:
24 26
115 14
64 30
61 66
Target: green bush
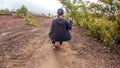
102 29
4 11
34 22
22 10
27 20
90 16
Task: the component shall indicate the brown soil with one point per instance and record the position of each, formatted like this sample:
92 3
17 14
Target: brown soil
27 46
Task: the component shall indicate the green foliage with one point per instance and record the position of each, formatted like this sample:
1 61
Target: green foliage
72 8
28 21
107 1
23 10
34 22
110 8
93 5
4 11
18 11
104 30
118 5
44 15
118 17
83 14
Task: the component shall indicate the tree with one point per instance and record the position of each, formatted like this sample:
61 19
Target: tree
110 8
95 9
75 8
23 10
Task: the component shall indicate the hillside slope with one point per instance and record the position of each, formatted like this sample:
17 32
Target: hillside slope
26 46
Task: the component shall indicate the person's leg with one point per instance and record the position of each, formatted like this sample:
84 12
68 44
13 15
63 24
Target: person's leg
53 42
60 42
54 46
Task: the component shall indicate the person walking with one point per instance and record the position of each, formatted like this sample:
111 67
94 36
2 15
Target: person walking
59 30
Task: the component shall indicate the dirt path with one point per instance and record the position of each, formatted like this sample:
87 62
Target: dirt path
46 57
26 46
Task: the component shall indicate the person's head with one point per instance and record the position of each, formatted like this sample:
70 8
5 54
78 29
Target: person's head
60 12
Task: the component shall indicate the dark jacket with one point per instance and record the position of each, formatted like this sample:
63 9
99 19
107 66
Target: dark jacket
59 30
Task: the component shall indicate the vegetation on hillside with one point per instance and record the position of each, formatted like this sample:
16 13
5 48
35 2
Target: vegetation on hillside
30 21
28 17
22 10
101 19
6 11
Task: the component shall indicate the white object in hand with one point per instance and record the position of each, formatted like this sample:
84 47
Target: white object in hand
71 18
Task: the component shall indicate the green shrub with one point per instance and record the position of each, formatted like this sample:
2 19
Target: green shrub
22 10
27 20
102 29
34 22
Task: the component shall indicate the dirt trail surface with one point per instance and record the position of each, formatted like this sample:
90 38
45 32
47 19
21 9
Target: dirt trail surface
27 46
